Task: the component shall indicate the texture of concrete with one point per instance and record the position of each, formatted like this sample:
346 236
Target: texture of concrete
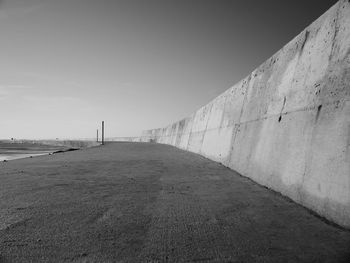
138 202
287 124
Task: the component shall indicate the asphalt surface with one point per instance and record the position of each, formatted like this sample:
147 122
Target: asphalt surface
138 202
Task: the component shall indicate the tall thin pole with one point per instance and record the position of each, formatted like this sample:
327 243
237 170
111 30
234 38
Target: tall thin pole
97 135
103 132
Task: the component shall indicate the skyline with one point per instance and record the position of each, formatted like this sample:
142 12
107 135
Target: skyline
67 66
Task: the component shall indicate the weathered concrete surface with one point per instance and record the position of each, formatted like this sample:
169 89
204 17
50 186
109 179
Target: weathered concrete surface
136 202
286 125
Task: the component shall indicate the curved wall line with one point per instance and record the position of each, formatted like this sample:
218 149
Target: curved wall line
287 124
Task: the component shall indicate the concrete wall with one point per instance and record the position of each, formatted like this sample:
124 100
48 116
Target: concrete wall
287 124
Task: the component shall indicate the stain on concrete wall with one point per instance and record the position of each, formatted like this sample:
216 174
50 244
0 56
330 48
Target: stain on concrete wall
287 124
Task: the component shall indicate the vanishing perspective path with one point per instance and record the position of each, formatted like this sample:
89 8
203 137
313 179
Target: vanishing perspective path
139 202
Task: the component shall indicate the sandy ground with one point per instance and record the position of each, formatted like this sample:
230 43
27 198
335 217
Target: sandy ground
135 202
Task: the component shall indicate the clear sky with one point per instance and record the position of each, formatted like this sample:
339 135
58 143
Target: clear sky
65 65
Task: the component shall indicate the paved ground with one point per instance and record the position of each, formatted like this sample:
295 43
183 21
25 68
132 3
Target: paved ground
134 202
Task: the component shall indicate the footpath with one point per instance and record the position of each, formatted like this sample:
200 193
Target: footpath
143 202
